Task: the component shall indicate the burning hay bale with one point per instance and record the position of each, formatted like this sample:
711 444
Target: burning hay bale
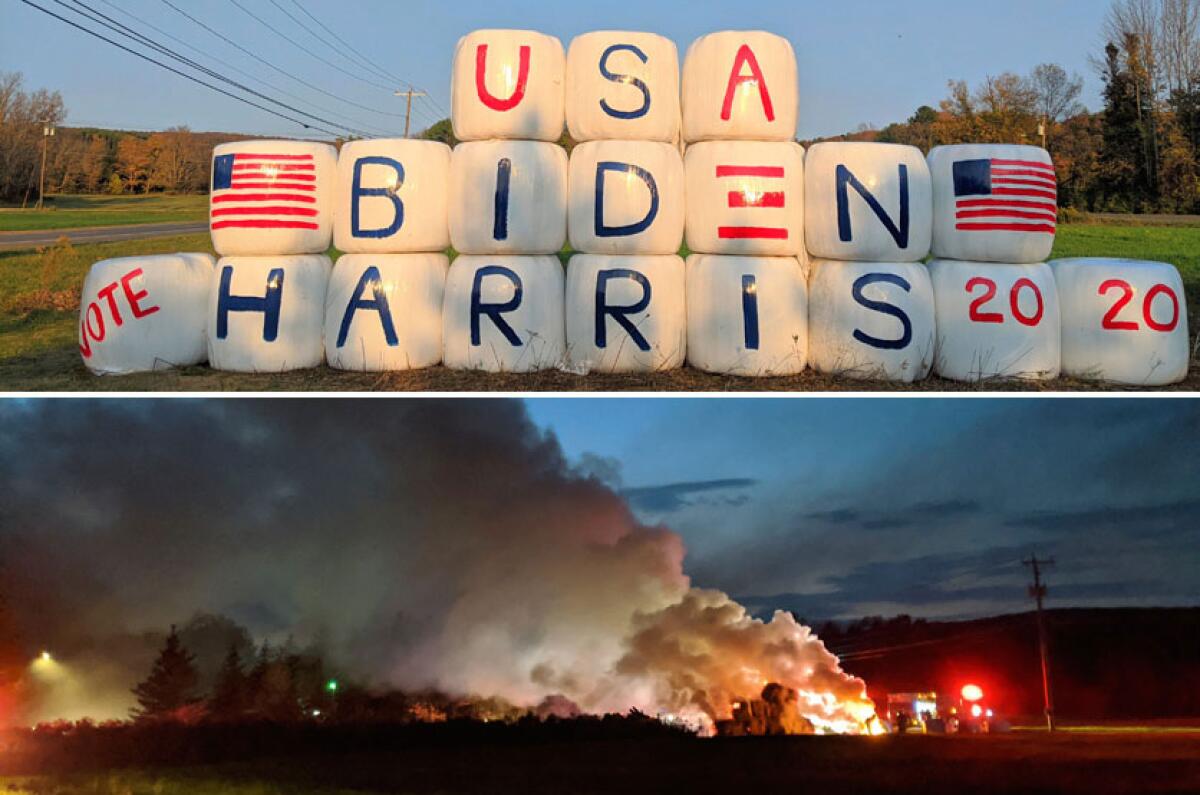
776 712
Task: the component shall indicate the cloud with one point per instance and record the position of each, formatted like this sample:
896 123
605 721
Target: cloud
1170 517
672 497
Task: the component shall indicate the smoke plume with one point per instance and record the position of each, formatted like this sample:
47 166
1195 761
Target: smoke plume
425 543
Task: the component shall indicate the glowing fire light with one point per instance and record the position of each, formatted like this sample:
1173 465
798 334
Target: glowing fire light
45 656
972 693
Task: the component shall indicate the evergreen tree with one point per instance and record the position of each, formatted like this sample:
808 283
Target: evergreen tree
171 683
1122 166
230 693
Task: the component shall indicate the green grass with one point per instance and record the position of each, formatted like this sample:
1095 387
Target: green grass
68 212
39 311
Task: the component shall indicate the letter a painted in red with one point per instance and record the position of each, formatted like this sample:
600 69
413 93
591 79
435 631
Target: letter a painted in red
745 56
481 80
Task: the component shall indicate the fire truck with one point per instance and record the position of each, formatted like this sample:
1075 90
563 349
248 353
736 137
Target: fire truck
930 712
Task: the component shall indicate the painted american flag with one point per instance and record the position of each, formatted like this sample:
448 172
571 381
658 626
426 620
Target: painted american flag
995 195
262 190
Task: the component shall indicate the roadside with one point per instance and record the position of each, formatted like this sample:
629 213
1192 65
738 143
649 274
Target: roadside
70 212
23 241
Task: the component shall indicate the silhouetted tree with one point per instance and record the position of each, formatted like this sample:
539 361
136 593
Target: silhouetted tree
171 684
229 694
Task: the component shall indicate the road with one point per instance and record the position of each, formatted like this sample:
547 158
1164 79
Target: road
15 241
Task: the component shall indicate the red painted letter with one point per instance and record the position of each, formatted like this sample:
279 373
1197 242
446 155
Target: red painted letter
746 56
133 297
481 80
107 294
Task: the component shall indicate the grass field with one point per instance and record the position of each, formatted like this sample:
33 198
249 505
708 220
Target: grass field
69 212
39 297
1065 764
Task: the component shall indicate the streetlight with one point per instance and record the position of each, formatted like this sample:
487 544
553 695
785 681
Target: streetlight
47 134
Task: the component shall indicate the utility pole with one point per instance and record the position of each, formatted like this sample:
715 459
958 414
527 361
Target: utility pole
47 134
1038 592
1042 125
410 92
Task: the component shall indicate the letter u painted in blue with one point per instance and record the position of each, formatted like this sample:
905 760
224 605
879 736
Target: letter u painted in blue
845 233
602 170
495 312
370 278
620 313
750 311
269 304
626 79
357 191
885 308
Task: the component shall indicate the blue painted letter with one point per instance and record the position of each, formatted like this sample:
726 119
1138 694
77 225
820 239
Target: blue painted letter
844 178
357 191
268 304
618 313
503 178
750 311
602 170
628 80
379 303
885 308
495 311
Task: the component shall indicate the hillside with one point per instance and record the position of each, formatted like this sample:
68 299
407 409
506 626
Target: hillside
1105 663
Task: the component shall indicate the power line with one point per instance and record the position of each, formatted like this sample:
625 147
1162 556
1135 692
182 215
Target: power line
379 70
325 42
356 62
307 50
227 64
99 17
194 79
270 65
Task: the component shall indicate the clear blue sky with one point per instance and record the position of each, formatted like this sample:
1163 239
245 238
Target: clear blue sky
860 60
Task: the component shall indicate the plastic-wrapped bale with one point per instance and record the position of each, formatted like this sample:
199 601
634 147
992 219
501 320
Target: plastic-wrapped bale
623 85
392 197
746 316
995 321
504 314
266 314
871 320
508 84
139 314
508 197
626 197
740 85
745 198
626 314
993 203
1123 321
272 198
867 202
384 311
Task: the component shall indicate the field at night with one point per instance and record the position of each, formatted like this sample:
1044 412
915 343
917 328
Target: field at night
445 596
1150 761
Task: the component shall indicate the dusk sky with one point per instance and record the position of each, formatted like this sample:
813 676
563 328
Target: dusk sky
860 61
833 508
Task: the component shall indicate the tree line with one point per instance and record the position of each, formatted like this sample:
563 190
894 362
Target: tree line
1140 153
